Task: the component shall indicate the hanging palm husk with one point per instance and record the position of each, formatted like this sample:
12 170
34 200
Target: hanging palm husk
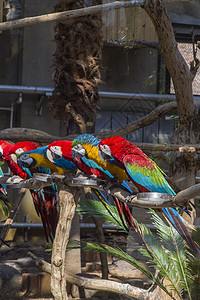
77 62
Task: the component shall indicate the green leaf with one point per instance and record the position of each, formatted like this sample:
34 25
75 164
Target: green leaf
170 256
117 252
104 211
4 208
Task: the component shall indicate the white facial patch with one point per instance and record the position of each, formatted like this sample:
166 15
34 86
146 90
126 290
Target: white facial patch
19 151
1 151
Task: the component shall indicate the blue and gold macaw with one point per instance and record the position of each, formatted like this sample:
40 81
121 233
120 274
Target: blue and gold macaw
38 158
46 199
85 147
146 176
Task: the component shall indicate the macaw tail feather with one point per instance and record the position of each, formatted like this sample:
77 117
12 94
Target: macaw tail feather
175 219
3 189
51 200
41 209
119 207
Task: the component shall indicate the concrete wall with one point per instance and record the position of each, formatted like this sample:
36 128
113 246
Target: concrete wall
184 12
38 49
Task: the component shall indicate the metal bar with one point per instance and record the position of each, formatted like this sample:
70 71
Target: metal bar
11 115
40 225
82 225
26 89
111 95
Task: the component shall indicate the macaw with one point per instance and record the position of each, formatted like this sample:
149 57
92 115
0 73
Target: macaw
85 147
146 176
38 158
59 153
45 199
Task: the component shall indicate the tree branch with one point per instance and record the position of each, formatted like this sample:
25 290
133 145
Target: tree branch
133 44
14 210
173 59
145 200
63 16
156 114
67 203
97 284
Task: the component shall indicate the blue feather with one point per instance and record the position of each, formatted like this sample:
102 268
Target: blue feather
86 139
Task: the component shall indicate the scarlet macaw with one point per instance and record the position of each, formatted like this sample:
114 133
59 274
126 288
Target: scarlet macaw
59 153
145 174
44 200
85 147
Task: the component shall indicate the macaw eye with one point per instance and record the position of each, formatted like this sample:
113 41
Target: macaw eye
19 151
78 147
104 147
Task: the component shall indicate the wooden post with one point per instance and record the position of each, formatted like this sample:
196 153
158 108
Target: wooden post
68 200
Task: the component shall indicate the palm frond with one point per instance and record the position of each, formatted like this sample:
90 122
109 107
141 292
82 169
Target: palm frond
194 265
5 205
117 252
106 212
170 256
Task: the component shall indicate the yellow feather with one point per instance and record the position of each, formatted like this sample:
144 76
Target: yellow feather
115 170
43 162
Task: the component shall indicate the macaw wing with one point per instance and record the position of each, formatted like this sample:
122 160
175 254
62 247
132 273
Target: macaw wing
92 164
114 162
65 164
146 173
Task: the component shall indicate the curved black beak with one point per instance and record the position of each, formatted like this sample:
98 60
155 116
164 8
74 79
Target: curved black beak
104 156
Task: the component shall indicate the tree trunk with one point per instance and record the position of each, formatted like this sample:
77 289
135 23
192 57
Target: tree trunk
68 200
183 165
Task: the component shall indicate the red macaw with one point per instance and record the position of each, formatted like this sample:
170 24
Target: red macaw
59 153
44 200
145 174
85 148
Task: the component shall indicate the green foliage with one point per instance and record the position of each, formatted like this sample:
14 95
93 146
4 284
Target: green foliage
117 252
167 252
5 205
169 256
101 210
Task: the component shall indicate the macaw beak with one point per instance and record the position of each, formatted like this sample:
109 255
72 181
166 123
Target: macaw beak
26 162
53 154
104 156
78 153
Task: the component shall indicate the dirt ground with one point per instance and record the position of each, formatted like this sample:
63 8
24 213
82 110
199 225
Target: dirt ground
20 278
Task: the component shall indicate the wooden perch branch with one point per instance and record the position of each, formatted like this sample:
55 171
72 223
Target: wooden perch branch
13 212
67 203
63 16
111 286
153 200
156 114
133 44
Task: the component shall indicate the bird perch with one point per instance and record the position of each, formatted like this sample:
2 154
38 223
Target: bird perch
145 200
